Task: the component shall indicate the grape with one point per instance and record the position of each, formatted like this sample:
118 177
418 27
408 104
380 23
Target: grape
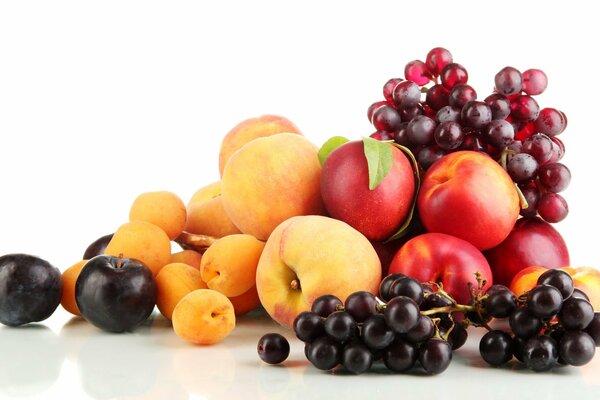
576 348
539 146
447 114
401 314
508 81
555 177
420 130
437 97
532 196
386 284
388 89
437 59
524 108
501 302
457 337
559 279
435 356
473 142
516 146
558 150
273 348
540 353
417 72
324 353
499 105
593 329
410 113
326 304
340 326
522 167
376 333
518 344
361 305
401 135
407 287
400 356
579 294
386 118
357 358
524 324
373 107
476 114
453 74
544 301
576 314
550 122
496 348
97 247
435 300
308 326
449 135
381 135
461 95
535 82
499 133
406 94
429 155
423 331
553 207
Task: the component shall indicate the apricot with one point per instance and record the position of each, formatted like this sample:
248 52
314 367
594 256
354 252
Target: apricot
206 193
163 209
204 316
173 282
245 302
189 257
69 278
143 241
229 264
209 218
270 180
249 130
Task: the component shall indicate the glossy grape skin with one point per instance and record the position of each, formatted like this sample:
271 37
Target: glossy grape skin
496 348
544 301
524 324
406 94
499 133
518 344
579 294
461 95
476 114
499 105
559 279
308 326
437 97
386 284
558 149
449 135
326 304
473 142
437 59
374 107
401 314
30 289
576 314
273 348
458 336
386 119
417 72
553 208
501 302
508 81
551 122
535 82
540 353
340 326
401 135
400 356
447 114
422 332
435 356
524 108
361 305
420 130
388 89
522 167
324 353
407 287
576 348
409 113
435 300
97 247
593 329
539 146
453 74
555 177
376 333
357 358
532 196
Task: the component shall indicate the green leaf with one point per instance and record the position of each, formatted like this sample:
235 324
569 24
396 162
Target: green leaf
329 146
406 224
379 160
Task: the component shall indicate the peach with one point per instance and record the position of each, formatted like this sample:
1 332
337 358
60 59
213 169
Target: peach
173 282
143 241
309 256
189 257
245 302
249 130
469 195
209 218
229 264
163 209
69 278
203 316
206 193
270 180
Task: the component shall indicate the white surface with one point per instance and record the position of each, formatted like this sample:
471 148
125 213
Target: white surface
102 101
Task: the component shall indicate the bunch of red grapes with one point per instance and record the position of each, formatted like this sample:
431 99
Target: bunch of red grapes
433 111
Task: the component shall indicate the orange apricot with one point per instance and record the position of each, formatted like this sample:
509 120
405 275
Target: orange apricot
209 218
143 241
229 264
163 209
173 282
189 257
206 193
245 302
203 316
69 278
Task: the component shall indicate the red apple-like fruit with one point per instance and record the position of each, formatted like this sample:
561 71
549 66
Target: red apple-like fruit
376 213
468 195
532 242
443 258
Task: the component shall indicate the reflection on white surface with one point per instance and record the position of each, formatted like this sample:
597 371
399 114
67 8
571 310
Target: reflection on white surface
153 363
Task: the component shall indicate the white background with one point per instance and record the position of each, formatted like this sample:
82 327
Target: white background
100 101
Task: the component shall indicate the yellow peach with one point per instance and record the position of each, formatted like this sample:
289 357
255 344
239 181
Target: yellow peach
209 218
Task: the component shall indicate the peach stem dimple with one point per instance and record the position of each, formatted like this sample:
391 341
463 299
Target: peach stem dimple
295 284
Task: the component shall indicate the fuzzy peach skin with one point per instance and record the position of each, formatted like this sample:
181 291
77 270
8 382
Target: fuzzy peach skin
309 256
209 218
442 258
206 193
189 257
270 180
249 130
469 195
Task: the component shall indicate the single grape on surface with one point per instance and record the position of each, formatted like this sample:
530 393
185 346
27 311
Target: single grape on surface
435 356
496 347
273 348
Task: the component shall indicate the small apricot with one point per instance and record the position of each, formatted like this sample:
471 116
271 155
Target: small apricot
163 209
245 302
209 218
189 257
206 193
173 282
69 278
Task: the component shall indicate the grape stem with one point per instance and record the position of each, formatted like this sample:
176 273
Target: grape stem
448 309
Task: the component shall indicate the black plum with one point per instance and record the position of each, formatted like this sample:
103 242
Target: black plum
97 247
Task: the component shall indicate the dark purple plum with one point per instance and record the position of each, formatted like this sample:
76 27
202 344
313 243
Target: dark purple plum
97 247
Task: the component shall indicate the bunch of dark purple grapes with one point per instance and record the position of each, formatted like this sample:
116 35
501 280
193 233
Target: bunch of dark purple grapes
551 324
433 112
401 329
